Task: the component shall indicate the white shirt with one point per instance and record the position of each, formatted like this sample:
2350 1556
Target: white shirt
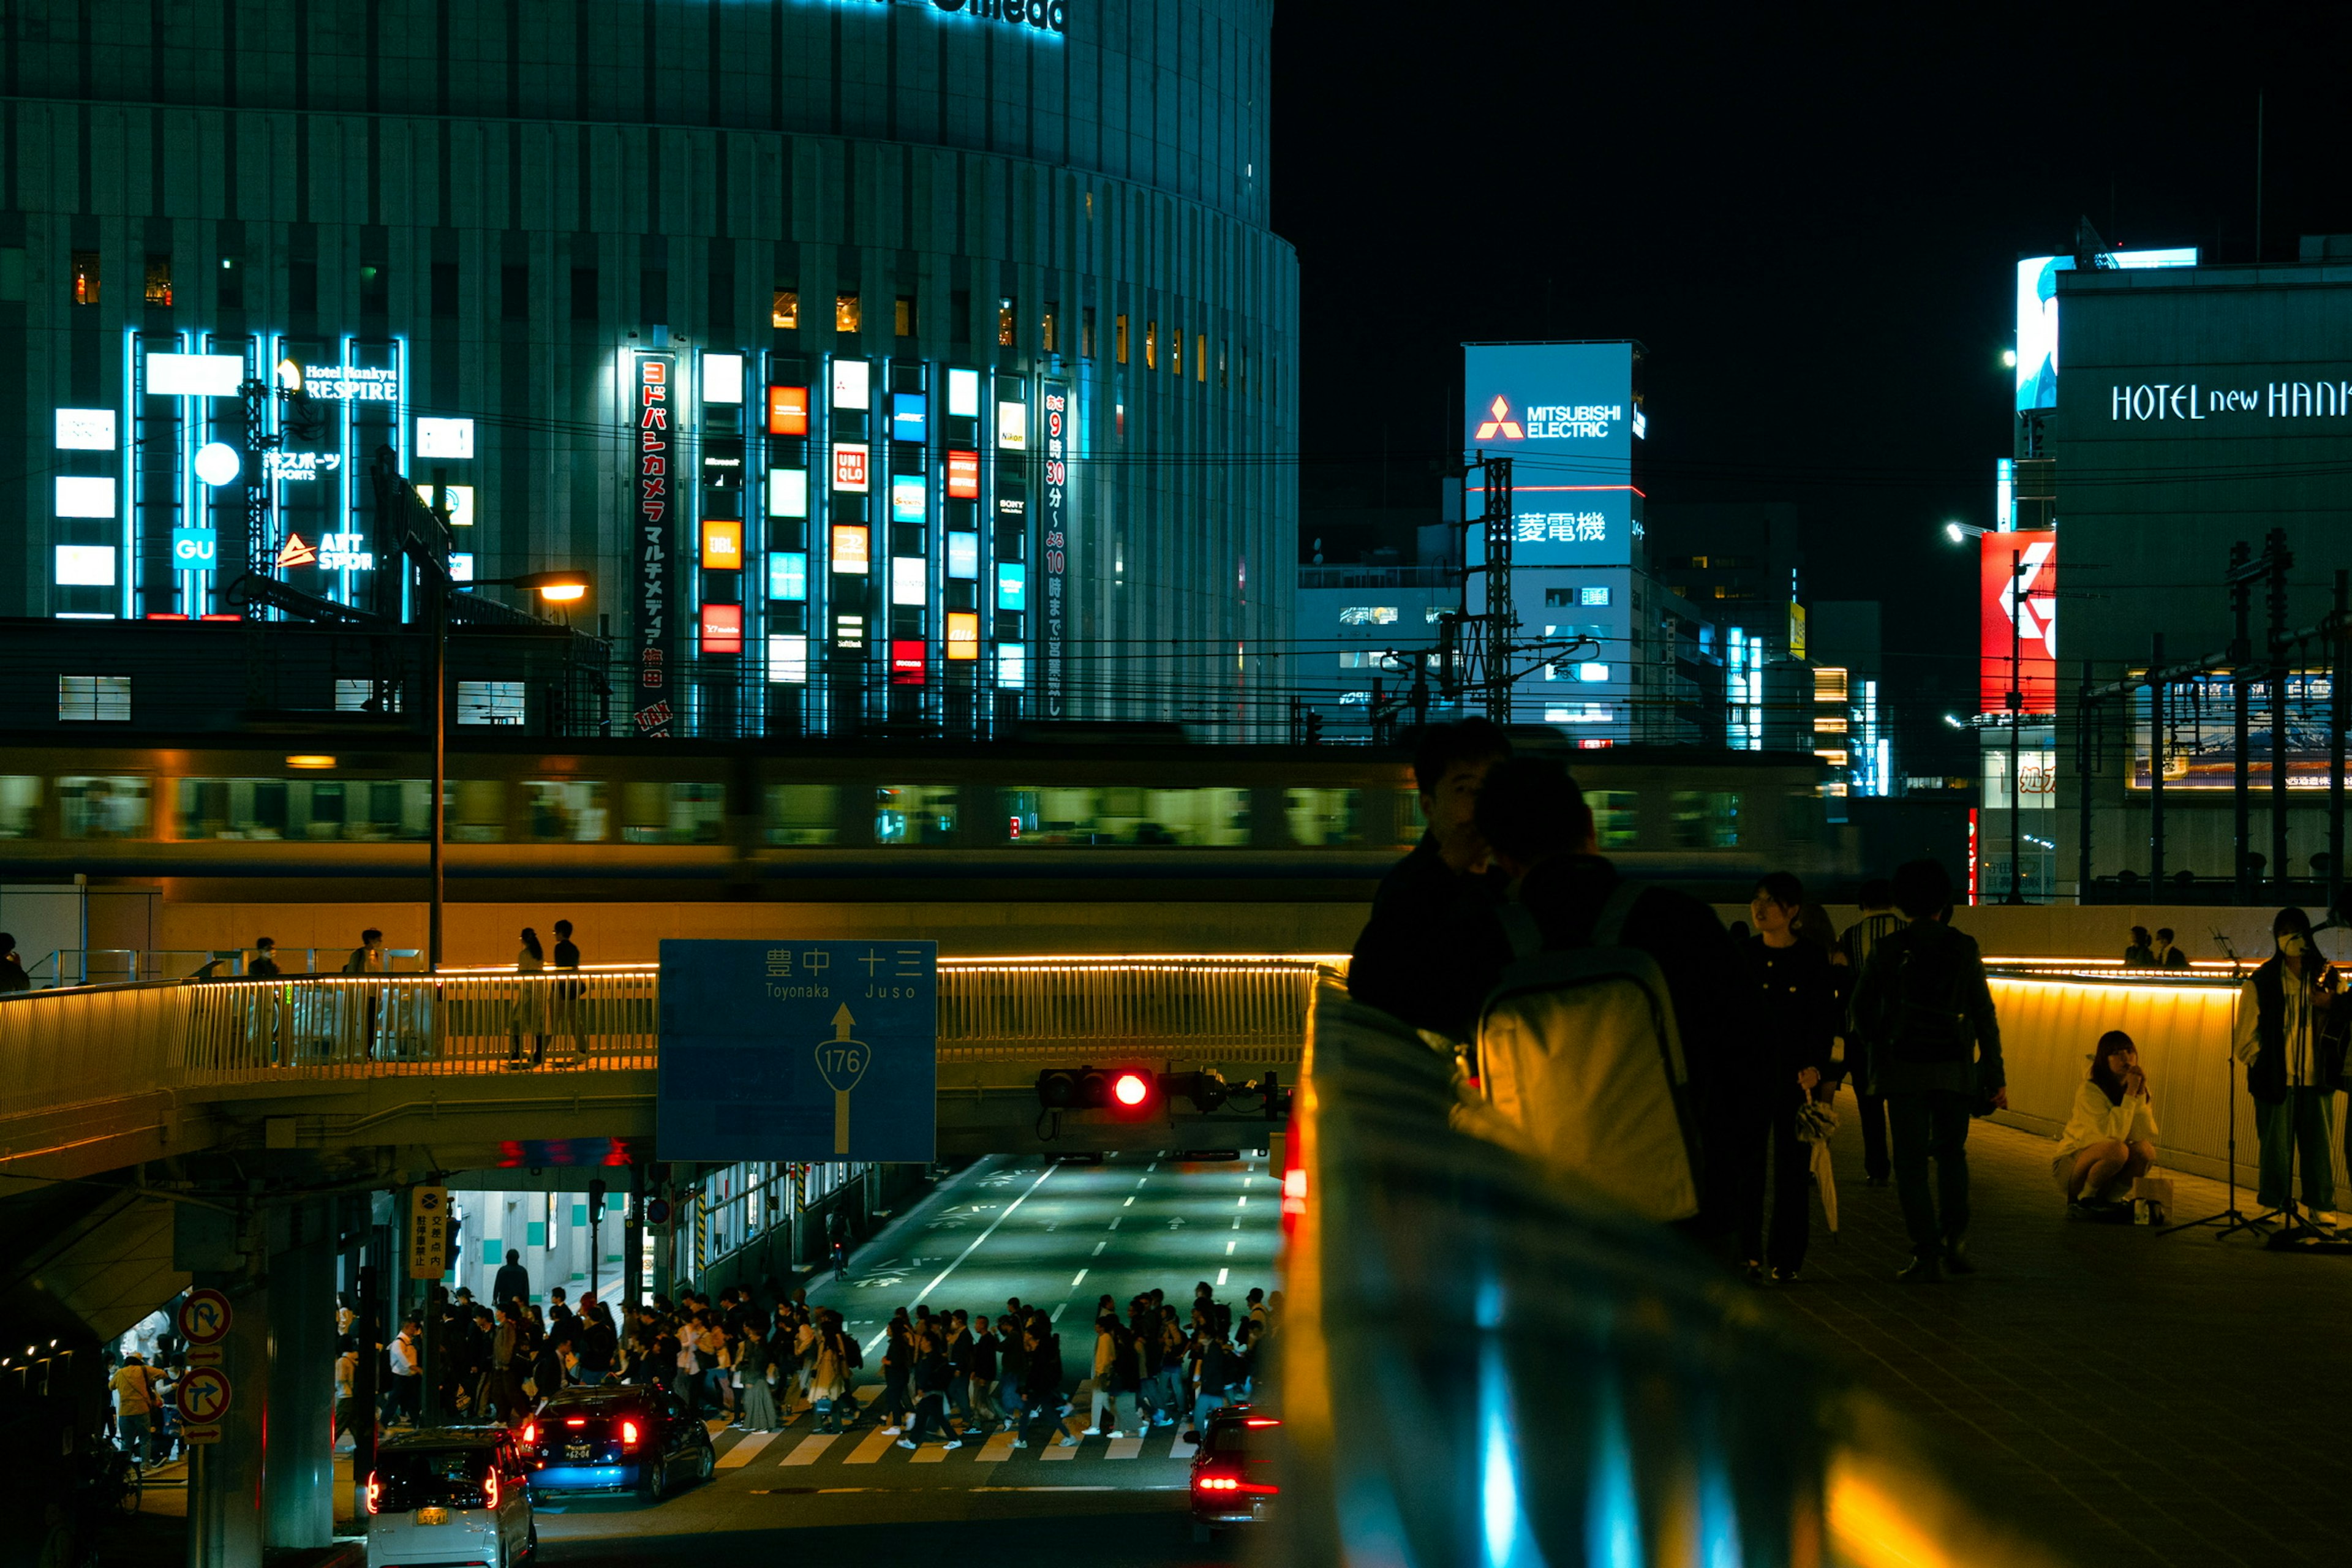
2095 1121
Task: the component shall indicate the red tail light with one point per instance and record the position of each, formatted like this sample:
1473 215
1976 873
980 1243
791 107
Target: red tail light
628 1433
491 1490
530 1430
1293 1181
375 1493
576 1421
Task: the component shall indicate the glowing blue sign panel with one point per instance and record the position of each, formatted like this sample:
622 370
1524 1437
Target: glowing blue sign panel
1565 413
2037 317
909 417
906 498
1011 586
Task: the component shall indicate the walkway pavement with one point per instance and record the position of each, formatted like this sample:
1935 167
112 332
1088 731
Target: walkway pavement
2131 1399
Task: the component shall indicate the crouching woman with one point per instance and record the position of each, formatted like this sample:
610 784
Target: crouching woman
2110 1138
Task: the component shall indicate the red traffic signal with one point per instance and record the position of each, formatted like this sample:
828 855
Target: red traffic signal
1129 1089
1129 1094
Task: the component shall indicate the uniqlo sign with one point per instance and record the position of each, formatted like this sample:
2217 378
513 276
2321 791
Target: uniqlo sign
849 469
2020 590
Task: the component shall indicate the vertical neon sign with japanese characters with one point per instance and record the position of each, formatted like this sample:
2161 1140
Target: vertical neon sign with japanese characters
655 495
1055 540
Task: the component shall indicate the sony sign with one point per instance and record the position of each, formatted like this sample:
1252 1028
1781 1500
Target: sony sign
2191 401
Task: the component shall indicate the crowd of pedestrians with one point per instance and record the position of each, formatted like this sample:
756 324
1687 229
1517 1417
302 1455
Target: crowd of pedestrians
1508 875
945 1375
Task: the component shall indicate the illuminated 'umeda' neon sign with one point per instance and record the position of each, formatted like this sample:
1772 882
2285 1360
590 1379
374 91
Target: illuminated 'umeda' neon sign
1046 16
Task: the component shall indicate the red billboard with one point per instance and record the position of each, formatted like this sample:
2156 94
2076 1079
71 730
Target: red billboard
2018 605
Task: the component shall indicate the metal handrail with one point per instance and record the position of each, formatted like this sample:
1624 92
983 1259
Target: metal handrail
172 1034
69 966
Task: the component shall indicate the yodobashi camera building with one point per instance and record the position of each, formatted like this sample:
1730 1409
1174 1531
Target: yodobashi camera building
925 361
2198 406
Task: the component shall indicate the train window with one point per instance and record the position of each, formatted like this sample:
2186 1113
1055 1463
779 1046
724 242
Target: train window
691 813
315 810
20 806
1616 817
476 812
1801 812
90 807
804 813
1127 816
1332 816
914 814
564 811
1707 819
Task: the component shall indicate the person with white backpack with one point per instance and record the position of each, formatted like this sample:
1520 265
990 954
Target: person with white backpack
1606 1025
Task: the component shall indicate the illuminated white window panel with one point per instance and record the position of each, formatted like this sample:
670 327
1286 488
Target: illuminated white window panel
195 375
448 438
787 492
1012 425
94 699
788 659
86 565
722 378
1012 665
963 555
81 497
85 429
909 579
852 383
963 395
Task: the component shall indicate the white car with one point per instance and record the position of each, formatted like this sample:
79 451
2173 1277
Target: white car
454 1495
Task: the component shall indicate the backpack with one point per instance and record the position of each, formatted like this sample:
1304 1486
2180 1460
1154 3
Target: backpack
1579 1052
853 1354
1926 1014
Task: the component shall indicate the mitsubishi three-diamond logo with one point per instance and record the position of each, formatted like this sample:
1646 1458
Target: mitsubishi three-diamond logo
1500 423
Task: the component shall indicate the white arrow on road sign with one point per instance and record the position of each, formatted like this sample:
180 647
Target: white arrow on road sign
1176 1223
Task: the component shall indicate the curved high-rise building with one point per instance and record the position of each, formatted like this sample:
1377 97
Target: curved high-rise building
923 363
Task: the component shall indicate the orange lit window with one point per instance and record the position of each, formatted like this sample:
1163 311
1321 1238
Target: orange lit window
85 277
1004 323
1118 336
963 476
846 316
849 548
903 315
159 279
1152 346
722 545
788 410
784 309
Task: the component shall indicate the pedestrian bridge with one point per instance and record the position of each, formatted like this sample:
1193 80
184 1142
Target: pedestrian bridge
103 1078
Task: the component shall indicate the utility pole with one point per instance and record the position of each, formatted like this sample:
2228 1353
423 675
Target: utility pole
2278 559
2240 582
2339 711
1500 621
2085 755
2016 731
2156 765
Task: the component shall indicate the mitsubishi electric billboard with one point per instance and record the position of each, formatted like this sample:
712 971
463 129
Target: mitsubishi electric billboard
1568 414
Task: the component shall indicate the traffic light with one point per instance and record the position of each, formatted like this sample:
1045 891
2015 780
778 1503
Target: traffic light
1129 1094
1314 728
596 1200
1205 1089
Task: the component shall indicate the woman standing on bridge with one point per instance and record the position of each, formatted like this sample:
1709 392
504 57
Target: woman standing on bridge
529 1013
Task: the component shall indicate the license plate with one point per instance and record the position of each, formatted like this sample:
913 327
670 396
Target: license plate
575 1450
432 1516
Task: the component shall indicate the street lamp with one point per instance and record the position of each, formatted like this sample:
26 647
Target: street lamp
560 586
1961 532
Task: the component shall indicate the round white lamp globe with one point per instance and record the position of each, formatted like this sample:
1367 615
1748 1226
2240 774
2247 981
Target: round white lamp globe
218 463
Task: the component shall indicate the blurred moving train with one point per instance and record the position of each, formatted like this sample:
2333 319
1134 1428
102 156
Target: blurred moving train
844 820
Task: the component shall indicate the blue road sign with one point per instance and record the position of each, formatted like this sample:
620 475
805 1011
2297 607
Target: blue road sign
799 1050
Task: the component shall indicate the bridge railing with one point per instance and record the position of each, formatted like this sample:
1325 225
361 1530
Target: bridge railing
105 1041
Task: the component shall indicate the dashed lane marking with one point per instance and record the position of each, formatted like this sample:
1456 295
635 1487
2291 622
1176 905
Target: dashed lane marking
941 1278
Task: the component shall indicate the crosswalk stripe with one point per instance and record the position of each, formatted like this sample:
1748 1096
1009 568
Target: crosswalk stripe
744 1452
809 1448
1182 1449
1054 1449
1125 1448
930 1454
876 1443
998 1447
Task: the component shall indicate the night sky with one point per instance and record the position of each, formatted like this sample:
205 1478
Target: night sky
1813 224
